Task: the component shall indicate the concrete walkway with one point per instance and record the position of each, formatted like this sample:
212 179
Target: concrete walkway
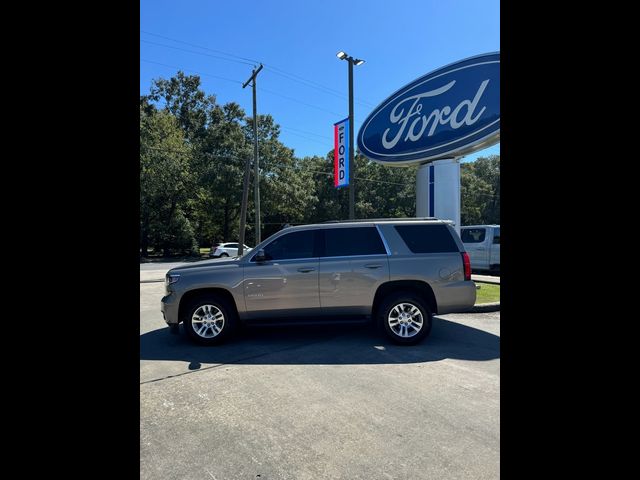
151 276
485 278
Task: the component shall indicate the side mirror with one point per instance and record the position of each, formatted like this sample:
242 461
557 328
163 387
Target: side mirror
260 256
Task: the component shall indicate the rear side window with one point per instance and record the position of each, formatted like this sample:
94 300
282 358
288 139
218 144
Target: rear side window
231 245
292 245
427 238
473 235
341 242
496 236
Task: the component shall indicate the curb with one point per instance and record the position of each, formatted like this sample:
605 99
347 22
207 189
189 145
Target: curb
485 307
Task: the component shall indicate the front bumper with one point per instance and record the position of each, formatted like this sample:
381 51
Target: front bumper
169 308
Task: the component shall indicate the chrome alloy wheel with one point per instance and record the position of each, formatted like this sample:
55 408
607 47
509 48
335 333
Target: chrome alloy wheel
405 320
207 321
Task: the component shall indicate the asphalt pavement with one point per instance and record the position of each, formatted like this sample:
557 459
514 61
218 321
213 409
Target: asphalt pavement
320 402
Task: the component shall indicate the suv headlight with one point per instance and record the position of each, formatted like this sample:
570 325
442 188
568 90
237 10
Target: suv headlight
171 278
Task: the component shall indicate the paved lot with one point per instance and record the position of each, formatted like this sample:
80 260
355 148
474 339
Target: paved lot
320 403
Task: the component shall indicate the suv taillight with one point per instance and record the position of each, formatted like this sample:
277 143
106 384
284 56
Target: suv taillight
467 266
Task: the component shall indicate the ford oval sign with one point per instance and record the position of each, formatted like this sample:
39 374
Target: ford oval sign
447 113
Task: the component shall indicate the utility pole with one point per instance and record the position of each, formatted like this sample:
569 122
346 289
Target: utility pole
243 207
256 164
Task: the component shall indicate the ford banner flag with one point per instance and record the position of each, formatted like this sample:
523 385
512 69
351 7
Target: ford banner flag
341 153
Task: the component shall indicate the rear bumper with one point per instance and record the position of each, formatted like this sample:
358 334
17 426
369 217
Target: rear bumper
456 297
169 308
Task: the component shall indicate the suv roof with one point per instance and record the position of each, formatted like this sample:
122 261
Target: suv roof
330 223
378 220
480 226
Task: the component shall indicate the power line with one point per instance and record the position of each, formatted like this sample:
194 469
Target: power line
197 53
200 46
322 88
205 74
303 136
301 102
484 194
274 69
361 179
298 167
271 92
309 133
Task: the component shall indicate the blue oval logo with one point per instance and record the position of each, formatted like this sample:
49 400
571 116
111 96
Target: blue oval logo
449 112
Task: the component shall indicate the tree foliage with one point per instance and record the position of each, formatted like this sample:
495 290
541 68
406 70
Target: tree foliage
192 159
480 191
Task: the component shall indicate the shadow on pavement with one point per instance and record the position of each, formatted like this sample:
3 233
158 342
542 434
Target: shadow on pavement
322 345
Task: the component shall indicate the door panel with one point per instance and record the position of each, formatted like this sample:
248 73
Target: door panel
353 262
286 283
282 288
348 285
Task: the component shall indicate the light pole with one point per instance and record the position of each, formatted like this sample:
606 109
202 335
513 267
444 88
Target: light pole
352 192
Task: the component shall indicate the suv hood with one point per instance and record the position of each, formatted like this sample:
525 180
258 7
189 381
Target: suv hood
208 264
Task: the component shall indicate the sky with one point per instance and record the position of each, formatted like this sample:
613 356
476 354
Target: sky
303 85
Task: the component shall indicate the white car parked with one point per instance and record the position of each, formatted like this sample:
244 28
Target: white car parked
226 250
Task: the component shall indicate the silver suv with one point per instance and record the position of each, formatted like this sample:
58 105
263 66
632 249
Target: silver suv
398 272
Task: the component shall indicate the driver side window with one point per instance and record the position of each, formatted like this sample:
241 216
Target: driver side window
291 245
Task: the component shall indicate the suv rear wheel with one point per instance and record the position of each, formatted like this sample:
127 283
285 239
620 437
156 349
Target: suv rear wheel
405 318
209 320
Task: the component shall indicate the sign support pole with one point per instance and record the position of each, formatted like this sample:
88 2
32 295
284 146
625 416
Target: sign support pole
438 190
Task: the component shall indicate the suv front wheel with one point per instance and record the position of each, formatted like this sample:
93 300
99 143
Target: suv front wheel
405 318
209 320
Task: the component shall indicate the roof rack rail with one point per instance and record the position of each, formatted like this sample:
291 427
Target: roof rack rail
399 219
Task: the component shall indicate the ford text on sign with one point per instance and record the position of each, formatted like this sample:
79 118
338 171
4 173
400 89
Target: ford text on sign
450 112
341 153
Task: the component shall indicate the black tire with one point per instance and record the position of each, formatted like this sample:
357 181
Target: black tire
224 255
405 300
208 308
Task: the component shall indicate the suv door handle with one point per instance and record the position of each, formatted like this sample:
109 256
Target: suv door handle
373 265
306 269
480 248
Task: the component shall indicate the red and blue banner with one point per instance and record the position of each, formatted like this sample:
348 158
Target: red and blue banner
341 153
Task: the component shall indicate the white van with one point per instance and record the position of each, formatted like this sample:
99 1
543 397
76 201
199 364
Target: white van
482 243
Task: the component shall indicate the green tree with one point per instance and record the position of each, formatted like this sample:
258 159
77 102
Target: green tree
287 189
165 181
182 97
219 148
384 191
192 158
480 191
328 203
222 158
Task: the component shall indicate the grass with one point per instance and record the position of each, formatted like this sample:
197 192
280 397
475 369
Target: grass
487 293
